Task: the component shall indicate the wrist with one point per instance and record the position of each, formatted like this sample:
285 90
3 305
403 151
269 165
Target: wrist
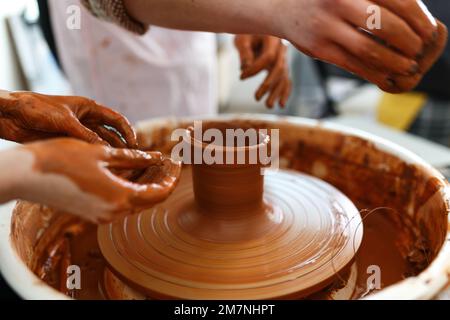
278 15
273 16
14 164
256 17
259 18
7 100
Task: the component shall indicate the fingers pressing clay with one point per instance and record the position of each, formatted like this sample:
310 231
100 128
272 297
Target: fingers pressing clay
82 182
158 184
154 185
75 129
108 135
132 159
64 116
88 111
106 116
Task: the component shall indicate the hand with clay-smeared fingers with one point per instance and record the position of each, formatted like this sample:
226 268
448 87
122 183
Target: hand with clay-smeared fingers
76 177
262 52
338 32
28 116
430 56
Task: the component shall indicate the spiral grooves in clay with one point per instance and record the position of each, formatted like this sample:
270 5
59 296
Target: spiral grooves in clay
309 232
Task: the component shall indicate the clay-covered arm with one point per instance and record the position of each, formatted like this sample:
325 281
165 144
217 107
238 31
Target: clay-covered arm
28 116
76 177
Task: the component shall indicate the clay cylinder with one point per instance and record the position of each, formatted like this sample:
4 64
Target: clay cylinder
227 175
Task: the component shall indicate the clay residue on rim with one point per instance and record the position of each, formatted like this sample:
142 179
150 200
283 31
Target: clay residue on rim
48 242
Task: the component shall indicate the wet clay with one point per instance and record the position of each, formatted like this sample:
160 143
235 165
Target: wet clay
402 240
233 232
271 253
75 245
92 181
356 167
378 247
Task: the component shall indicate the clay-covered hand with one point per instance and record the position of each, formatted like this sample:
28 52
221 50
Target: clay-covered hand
76 177
379 40
263 52
430 56
28 116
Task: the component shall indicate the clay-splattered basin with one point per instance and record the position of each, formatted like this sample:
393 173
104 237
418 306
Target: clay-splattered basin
371 171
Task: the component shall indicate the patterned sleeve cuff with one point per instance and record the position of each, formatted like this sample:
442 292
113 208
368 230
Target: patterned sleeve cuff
114 11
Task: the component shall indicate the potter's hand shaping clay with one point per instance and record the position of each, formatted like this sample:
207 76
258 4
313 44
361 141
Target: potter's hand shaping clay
27 116
349 34
75 176
261 52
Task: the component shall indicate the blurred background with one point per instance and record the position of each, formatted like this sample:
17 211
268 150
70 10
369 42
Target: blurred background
31 43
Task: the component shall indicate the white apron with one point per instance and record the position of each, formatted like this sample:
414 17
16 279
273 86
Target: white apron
163 73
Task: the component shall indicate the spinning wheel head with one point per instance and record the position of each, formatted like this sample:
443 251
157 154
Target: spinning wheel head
290 240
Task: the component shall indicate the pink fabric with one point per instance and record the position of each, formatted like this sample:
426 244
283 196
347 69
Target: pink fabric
162 73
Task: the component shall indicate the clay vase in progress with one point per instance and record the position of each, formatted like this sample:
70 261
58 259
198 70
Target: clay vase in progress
230 232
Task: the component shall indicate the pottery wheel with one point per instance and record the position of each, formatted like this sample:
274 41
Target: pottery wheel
308 232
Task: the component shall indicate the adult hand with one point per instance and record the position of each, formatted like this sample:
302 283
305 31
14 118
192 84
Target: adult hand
28 116
262 52
430 56
337 31
76 177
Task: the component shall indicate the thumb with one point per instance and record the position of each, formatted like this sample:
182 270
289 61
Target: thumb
132 159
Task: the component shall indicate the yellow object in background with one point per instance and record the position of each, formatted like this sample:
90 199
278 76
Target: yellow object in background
400 110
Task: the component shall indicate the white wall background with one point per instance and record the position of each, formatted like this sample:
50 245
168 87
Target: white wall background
9 76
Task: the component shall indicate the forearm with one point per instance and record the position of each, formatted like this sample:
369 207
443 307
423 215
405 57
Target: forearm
229 16
10 173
